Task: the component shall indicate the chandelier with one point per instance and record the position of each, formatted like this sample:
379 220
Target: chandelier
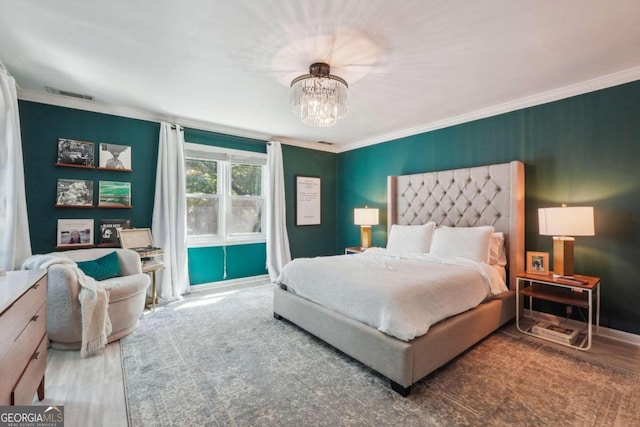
319 98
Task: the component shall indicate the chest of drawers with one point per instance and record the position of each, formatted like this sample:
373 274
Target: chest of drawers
23 336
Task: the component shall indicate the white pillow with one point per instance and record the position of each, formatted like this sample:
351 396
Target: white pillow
497 254
465 242
411 238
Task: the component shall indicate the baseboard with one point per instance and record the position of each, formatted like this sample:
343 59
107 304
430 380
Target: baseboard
613 334
228 283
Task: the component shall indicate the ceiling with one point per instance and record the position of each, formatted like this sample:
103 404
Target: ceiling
411 65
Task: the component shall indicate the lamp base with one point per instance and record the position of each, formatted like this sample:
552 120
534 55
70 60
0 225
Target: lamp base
365 236
563 256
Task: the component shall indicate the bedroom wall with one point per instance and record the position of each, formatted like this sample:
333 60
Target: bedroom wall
311 240
581 151
42 125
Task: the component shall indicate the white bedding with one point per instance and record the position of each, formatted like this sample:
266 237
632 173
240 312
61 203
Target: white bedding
402 295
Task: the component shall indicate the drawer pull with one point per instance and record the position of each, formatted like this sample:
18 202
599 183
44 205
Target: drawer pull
35 318
35 355
36 286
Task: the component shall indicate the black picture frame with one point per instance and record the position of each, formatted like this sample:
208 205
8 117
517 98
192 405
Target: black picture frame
109 231
308 200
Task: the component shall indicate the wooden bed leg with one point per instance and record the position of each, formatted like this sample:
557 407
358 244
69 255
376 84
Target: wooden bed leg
402 391
277 316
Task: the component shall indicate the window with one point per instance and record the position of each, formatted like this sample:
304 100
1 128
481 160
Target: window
225 195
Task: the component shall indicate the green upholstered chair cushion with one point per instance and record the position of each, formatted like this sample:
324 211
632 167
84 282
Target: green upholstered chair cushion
102 268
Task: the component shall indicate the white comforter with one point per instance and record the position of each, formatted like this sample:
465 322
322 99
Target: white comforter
400 294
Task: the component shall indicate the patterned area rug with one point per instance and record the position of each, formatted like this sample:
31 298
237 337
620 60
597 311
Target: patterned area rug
223 360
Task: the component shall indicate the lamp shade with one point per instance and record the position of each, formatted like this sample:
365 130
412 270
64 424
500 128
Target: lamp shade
366 216
566 221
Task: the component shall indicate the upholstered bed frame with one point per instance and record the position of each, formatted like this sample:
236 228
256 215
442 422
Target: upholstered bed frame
485 195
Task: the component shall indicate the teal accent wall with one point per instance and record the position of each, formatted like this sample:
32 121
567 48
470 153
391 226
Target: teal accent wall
42 125
207 264
582 150
311 240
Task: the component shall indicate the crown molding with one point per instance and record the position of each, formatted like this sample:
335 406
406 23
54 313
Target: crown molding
133 113
603 82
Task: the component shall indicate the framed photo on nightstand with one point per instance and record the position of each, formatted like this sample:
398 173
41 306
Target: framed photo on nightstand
537 262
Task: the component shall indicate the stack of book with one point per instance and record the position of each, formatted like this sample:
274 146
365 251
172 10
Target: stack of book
555 332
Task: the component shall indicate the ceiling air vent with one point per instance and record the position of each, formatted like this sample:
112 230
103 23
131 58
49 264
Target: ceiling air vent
325 142
67 93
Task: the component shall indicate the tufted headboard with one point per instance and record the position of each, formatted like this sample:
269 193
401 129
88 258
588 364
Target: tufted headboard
483 195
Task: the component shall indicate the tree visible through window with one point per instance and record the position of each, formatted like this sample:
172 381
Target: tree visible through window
203 202
225 197
246 199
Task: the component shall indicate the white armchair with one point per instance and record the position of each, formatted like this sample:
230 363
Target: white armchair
127 295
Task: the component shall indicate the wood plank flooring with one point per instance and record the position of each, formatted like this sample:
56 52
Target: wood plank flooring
92 389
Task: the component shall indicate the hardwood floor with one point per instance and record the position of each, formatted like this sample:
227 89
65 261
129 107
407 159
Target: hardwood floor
92 389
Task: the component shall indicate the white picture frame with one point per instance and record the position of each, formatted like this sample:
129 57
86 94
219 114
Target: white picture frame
115 157
74 233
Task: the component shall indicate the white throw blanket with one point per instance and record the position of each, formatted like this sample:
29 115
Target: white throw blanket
94 301
402 295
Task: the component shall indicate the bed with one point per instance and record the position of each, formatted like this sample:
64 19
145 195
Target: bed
490 195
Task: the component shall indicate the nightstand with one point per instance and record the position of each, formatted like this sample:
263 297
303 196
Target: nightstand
354 250
581 291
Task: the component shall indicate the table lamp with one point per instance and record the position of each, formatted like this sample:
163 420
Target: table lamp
365 218
563 223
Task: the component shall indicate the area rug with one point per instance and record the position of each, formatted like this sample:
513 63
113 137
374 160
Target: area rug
223 360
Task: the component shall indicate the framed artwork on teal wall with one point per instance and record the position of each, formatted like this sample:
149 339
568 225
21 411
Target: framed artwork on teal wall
115 157
78 154
114 194
308 200
110 231
75 233
74 193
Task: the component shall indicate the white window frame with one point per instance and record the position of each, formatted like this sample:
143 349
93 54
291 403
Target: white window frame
225 157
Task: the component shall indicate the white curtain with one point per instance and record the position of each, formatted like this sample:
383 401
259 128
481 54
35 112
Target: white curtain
278 252
169 226
15 244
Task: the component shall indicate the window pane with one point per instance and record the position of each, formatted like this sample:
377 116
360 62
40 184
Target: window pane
202 216
246 180
202 176
246 216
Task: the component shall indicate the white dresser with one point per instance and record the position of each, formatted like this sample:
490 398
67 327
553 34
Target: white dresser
23 336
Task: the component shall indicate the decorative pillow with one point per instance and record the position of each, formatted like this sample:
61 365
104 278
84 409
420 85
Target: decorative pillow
411 238
465 242
102 268
497 254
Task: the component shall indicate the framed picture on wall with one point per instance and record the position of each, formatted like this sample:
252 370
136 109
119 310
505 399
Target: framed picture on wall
537 262
75 153
308 200
75 232
110 231
115 157
114 194
74 193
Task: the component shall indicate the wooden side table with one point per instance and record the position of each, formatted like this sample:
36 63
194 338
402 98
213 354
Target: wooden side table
354 250
581 291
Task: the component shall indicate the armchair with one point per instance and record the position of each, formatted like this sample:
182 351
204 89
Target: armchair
127 295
